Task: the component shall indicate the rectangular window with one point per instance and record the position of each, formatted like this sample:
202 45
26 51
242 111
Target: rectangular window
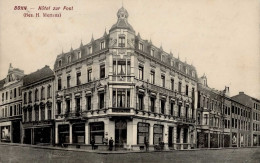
172 108
36 110
19 91
59 84
102 45
68 106
152 52
102 71
187 90
121 98
25 97
163 80
49 113
42 113
15 93
11 94
152 77
30 96
6 95
152 100
3 96
11 111
88 102
59 107
68 81
162 106
141 47
179 110
78 78
121 41
141 73
179 87
89 75
141 101
172 84
101 101
90 50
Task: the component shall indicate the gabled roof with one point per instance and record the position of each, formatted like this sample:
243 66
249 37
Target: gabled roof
38 75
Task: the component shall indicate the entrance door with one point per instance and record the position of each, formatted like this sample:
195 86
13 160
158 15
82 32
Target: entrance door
170 137
120 133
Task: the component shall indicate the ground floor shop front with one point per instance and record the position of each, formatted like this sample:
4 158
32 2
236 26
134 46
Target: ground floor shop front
10 131
129 133
38 134
217 139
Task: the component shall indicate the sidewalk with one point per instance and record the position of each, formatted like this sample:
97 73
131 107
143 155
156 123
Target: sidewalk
108 152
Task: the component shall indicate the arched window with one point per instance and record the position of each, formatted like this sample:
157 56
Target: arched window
36 95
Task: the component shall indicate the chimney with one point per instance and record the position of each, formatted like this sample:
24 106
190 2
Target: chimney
241 93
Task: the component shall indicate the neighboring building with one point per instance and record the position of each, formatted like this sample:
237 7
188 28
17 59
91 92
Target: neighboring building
38 107
209 116
221 121
254 105
124 87
11 106
240 128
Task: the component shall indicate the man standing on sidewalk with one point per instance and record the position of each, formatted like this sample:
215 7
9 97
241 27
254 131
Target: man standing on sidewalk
111 142
146 143
92 142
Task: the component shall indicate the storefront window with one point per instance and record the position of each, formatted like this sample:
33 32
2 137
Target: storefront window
78 133
5 133
142 133
157 134
97 132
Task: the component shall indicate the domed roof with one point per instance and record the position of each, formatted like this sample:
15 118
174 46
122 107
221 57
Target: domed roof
122 13
122 22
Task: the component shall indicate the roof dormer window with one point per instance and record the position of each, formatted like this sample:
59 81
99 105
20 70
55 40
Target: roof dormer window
193 74
141 46
69 59
179 66
59 63
79 54
90 50
102 45
152 52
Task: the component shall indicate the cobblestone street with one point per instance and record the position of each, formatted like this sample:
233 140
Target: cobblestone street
29 154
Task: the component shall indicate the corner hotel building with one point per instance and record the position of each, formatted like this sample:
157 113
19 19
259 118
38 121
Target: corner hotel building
124 87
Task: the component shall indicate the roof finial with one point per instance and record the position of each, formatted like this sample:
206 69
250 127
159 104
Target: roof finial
105 33
81 44
92 38
71 49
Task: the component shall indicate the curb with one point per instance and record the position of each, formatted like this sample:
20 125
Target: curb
111 152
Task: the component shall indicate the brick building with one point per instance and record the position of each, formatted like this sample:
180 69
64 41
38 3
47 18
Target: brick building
254 105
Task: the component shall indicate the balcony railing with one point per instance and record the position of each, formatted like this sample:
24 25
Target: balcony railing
121 78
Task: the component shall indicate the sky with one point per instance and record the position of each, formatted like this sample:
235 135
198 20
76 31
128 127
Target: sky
220 38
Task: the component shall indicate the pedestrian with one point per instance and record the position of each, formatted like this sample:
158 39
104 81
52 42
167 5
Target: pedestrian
111 142
92 142
146 143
